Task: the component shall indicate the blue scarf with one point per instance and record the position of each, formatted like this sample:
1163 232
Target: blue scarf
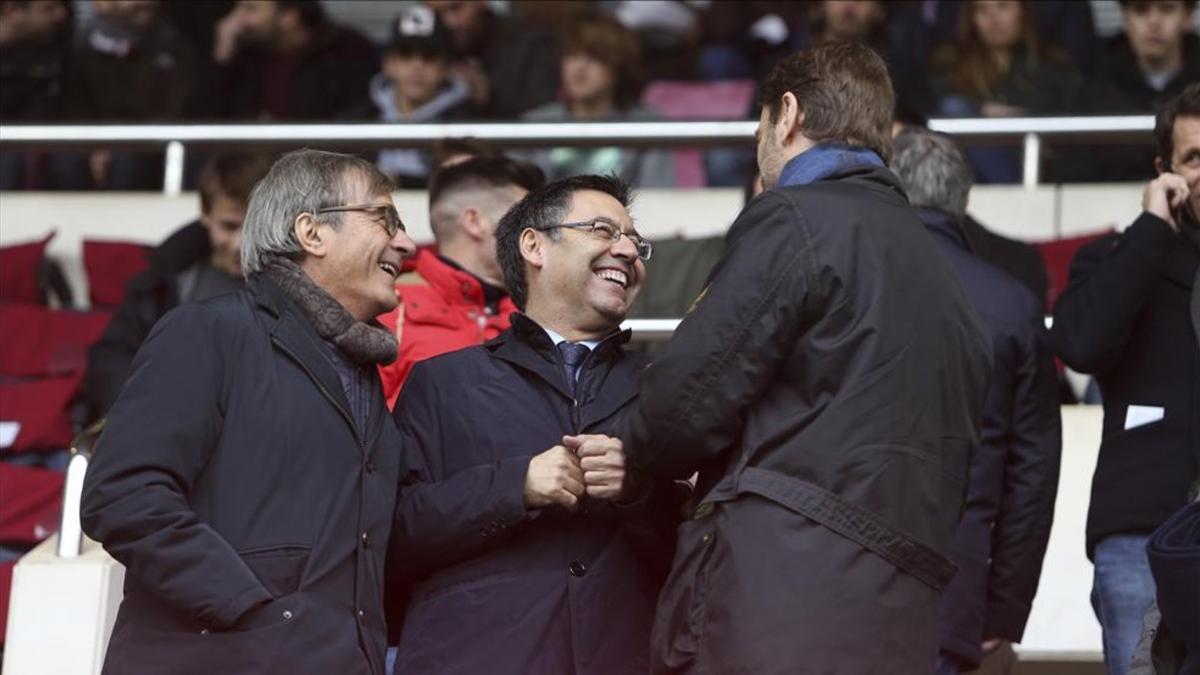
824 160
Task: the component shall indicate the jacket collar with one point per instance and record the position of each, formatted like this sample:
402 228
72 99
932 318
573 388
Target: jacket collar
825 160
944 226
608 378
292 333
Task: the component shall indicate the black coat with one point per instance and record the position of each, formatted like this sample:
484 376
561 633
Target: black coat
1002 537
498 588
252 516
828 387
1015 257
1124 318
148 296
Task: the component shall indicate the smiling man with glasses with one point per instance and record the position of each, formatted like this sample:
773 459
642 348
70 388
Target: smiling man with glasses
513 487
247 474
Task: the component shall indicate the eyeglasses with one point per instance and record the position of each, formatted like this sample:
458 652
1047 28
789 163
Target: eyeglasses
610 231
385 214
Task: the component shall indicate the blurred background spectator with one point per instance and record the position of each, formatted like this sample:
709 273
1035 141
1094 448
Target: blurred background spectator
997 67
285 60
200 260
602 79
510 65
1155 55
416 86
33 57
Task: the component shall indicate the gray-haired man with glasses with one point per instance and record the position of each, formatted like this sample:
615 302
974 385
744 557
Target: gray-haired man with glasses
247 475
522 542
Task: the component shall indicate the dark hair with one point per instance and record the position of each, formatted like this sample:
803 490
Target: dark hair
232 174
485 172
843 90
445 148
972 70
607 41
1185 104
1190 5
540 209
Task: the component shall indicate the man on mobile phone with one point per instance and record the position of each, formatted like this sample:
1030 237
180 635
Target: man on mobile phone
1125 318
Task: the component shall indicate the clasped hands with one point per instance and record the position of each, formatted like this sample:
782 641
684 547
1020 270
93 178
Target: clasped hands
588 463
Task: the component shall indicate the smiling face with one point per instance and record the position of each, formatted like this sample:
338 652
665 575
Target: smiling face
361 262
583 283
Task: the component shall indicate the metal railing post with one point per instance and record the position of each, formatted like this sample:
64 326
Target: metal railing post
1032 161
70 528
173 170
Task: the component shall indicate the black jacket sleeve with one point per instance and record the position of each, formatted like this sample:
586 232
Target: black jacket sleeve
1110 283
135 495
694 396
443 519
1031 467
650 523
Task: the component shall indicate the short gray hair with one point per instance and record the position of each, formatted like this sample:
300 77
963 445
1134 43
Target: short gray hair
933 171
301 181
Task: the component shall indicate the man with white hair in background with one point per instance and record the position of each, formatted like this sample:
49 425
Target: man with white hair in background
247 475
1002 536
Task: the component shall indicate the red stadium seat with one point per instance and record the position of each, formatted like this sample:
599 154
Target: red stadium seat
110 265
6 574
37 342
1057 256
30 503
19 267
41 409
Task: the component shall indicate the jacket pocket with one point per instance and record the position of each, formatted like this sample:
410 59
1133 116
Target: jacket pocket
682 615
279 568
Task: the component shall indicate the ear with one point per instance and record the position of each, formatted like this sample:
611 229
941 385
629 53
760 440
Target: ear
532 248
791 118
471 222
311 236
1160 166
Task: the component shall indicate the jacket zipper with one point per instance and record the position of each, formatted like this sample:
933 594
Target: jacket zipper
324 391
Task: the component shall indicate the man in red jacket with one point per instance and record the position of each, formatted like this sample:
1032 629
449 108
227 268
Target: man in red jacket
455 297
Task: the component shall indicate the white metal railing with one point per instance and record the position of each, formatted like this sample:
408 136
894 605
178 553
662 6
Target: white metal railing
1027 131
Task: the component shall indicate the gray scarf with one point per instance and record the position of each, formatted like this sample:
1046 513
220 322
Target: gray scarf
366 344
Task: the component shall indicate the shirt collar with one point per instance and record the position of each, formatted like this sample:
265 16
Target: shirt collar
556 339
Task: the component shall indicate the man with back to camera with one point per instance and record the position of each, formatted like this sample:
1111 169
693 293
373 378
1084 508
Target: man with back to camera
827 386
1002 537
525 548
456 298
201 260
1125 319
247 474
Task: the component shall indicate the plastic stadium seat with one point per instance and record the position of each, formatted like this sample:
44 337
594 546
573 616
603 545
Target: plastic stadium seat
6 574
722 100
110 265
41 411
1057 256
30 503
36 342
19 269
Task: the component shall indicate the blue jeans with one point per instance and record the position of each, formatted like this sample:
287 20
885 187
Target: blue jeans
1122 590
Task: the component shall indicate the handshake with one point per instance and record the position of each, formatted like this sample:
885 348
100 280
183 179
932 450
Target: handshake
589 463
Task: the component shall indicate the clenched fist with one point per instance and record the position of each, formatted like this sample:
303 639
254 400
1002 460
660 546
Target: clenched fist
602 459
554 477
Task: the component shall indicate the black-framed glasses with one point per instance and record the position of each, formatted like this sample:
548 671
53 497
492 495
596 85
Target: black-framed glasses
385 214
610 231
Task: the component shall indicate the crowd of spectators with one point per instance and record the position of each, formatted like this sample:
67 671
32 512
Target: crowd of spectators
149 61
